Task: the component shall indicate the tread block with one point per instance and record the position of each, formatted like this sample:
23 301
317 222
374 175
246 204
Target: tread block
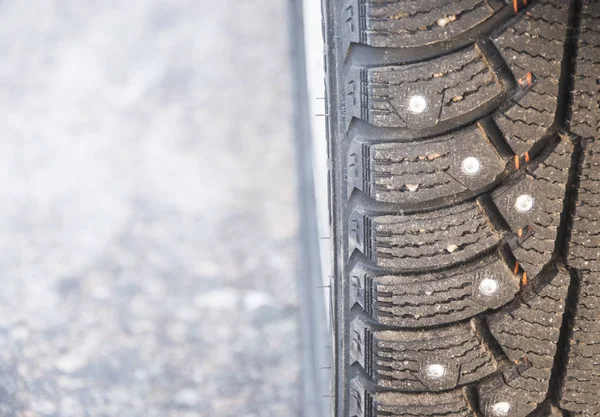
580 389
585 117
585 234
424 240
390 404
519 389
433 298
418 172
403 359
528 120
405 23
529 327
535 43
546 184
451 86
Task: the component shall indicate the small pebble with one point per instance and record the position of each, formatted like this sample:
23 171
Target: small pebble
445 20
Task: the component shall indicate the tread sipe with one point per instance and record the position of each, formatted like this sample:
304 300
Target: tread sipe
464 140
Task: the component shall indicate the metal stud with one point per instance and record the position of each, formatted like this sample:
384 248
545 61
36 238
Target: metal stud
488 286
501 408
471 165
417 104
436 371
524 203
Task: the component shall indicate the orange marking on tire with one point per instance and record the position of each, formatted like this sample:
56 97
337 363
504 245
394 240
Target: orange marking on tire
526 156
517 161
516 5
520 233
529 79
525 2
516 268
524 278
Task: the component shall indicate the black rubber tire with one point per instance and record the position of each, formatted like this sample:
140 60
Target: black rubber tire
465 206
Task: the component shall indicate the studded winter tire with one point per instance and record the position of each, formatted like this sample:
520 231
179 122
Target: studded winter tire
464 148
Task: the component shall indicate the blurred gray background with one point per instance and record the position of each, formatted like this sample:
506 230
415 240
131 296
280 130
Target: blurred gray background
147 209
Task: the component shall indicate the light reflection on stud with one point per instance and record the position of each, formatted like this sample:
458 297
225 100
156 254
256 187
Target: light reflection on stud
488 286
524 203
471 165
436 371
501 408
417 104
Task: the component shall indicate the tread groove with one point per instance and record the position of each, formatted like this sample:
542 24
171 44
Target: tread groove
495 136
564 99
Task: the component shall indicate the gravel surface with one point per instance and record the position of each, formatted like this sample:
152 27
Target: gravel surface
147 210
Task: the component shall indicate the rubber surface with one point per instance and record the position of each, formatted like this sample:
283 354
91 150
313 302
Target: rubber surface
465 208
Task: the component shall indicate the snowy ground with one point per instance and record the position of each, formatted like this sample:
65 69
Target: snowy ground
147 210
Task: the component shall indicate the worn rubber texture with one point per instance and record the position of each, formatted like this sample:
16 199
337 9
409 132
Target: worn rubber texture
464 148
